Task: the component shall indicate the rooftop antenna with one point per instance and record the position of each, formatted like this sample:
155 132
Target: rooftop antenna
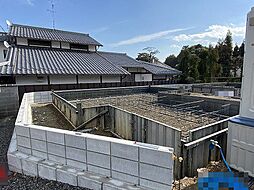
52 11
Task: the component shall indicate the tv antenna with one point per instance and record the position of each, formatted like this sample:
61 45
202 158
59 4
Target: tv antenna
52 11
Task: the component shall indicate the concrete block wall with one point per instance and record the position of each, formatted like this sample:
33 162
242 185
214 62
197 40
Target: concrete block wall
9 100
125 161
101 92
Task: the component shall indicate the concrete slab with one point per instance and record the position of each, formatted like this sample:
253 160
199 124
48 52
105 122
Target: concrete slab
155 157
38 134
55 137
76 154
67 175
24 150
99 170
156 174
75 141
113 184
56 149
76 164
22 130
125 177
97 145
30 165
91 181
40 154
23 141
124 166
39 145
124 151
57 159
47 170
154 185
99 160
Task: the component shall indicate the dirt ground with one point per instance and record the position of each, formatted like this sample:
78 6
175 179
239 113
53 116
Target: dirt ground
48 115
147 105
191 183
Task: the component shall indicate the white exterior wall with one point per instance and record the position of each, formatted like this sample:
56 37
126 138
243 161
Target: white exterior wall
247 91
143 77
55 44
133 70
65 45
30 80
92 48
22 41
89 79
63 79
111 78
2 48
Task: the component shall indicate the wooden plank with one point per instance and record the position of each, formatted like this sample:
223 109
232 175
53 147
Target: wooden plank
90 120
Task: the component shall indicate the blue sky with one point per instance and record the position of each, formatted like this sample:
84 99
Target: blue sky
131 25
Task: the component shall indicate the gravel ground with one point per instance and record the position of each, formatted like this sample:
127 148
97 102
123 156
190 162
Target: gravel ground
21 182
18 181
146 105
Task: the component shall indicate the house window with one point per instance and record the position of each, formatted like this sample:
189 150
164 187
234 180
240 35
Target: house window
41 43
5 53
79 47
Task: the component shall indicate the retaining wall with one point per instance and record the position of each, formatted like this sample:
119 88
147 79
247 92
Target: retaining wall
62 155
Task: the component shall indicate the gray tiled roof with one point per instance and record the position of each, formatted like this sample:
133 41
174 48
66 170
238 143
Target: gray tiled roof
34 60
3 36
51 34
124 60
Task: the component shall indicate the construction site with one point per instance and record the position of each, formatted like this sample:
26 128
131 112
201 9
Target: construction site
151 115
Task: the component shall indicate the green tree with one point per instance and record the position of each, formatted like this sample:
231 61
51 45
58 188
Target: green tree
183 65
193 64
149 55
215 68
225 54
172 61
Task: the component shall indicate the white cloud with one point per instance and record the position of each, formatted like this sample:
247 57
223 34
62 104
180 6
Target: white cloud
174 46
212 32
148 37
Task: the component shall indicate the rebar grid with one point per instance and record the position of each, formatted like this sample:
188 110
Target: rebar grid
182 115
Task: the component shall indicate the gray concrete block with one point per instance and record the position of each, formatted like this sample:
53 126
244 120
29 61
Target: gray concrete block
124 151
75 141
39 145
125 177
14 163
99 170
23 141
22 130
55 137
24 150
113 184
156 174
124 166
40 154
97 145
76 154
90 181
38 134
47 170
67 175
100 160
57 159
76 164
30 165
155 157
56 149
153 185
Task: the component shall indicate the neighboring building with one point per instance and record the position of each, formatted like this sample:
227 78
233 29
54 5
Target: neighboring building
42 56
